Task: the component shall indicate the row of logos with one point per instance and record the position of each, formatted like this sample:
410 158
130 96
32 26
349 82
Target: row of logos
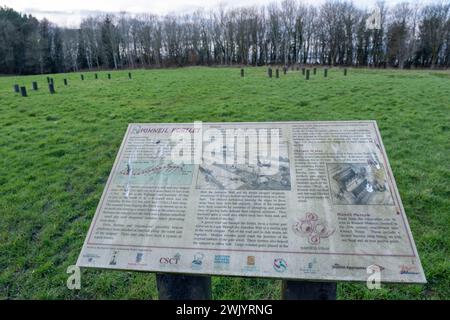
222 262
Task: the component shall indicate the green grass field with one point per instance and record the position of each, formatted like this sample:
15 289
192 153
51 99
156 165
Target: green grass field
56 152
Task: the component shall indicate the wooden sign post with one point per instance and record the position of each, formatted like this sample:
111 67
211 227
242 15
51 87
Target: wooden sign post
183 287
35 86
308 290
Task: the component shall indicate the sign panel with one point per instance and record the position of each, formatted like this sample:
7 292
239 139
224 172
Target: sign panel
291 200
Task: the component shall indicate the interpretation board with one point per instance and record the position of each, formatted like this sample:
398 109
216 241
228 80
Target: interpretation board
291 200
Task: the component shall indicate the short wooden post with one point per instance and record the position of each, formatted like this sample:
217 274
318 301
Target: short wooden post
35 85
109 75
242 73
269 71
325 72
183 287
129 75
96 76
65 81
345 72
315 71
23 91
307 74
284 70
51 87
303 71
308 290
277 73
16 88
82 77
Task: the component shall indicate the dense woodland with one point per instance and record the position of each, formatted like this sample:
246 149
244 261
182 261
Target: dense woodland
290 32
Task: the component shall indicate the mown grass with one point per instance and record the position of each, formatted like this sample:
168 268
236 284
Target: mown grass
56 152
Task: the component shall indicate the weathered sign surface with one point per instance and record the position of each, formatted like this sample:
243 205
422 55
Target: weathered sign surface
292 200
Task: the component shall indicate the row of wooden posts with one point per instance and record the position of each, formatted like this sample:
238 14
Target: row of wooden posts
51 84
305 72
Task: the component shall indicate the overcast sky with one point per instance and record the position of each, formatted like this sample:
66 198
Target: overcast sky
69 13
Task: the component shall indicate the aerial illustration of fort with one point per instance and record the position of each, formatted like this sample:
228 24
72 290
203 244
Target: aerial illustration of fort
359 184
266 174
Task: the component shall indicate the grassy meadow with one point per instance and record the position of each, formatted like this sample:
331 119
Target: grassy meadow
56 152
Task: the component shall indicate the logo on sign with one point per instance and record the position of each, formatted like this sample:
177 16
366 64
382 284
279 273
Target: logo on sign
279 265
221 261
113 260
170 260
139 257
311 267
251 265
198 261
411 269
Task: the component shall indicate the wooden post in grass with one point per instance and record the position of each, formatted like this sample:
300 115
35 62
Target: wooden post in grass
307 74
284 70
82 77
345 72
65 81
315 71
183 287
269 71
109 75
96 76
325 72
35 85
51 88
129 75
16 88
277 73
303 71
23 91
242 72
308 290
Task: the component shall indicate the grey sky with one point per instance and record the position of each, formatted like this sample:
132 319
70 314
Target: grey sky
69 13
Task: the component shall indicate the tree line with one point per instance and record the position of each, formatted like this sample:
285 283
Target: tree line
291 32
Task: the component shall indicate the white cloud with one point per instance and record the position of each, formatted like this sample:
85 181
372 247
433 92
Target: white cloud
69 13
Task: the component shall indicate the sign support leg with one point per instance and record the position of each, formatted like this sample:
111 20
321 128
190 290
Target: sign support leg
183 287
308 290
